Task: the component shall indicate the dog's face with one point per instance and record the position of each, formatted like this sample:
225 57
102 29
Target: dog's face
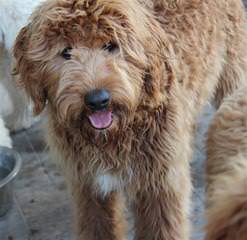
88 59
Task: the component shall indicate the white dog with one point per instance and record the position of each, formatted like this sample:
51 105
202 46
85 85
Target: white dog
14 107
4 135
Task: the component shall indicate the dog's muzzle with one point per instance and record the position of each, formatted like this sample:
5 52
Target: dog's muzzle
98 102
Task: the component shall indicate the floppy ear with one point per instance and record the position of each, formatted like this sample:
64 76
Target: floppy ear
26 69
159 74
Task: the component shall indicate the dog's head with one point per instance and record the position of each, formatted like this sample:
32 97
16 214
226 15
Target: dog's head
95 63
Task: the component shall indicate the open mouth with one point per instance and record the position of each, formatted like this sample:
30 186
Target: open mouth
101 119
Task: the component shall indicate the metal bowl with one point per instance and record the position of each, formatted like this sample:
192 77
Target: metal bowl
10 164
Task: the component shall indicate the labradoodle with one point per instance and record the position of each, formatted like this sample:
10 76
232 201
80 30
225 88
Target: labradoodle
122 83
227 170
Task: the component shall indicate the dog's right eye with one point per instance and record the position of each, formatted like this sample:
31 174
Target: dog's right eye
66 53
110 46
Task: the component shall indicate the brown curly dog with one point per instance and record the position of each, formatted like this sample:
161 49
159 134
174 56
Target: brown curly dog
122 82
227 170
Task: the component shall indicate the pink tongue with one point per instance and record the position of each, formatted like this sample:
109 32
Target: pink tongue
101 119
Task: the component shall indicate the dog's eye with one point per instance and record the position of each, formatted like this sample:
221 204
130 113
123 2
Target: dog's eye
110 46
66 53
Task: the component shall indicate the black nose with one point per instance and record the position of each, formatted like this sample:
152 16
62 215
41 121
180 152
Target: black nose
97 99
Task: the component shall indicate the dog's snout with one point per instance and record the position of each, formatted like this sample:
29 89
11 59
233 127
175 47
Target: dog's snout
98 99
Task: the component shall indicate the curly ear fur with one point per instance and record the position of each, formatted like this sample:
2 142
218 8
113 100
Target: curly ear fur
132 33
174 5
26 70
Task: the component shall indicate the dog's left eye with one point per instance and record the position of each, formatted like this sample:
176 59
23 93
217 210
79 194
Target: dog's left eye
66 53
110 46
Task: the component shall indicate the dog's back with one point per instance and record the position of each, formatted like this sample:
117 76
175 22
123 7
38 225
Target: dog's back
227 170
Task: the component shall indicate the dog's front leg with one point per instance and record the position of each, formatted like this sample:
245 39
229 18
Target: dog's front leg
161 211
98 217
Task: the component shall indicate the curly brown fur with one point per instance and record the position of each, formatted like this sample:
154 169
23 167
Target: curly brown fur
171 57
227 170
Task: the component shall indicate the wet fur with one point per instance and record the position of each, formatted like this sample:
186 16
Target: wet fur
173 56
227 170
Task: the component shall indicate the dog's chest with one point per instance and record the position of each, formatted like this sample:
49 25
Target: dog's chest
106 183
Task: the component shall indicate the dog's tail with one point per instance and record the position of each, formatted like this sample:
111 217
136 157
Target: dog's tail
227 171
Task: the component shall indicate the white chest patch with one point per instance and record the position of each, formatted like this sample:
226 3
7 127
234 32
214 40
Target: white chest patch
106 183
